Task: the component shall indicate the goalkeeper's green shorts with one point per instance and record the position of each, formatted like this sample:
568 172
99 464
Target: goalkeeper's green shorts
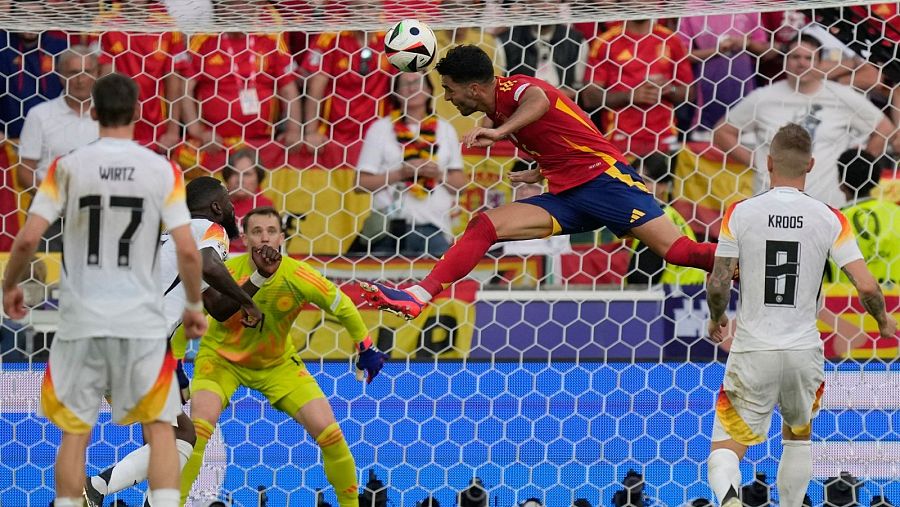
288 386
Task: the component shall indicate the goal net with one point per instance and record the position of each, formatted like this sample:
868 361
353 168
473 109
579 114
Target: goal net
559 365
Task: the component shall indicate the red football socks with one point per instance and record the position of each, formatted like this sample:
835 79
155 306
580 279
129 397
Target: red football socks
687 252
463 256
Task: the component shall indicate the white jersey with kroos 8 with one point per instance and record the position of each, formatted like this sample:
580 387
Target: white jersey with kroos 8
206 234
114 196
782 239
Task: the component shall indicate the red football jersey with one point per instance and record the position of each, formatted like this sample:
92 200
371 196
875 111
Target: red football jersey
148 58
360 82
226 65
569 149
620 61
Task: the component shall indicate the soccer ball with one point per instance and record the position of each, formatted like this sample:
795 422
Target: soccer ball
410 45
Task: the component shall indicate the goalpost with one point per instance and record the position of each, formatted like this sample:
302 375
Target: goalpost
546 373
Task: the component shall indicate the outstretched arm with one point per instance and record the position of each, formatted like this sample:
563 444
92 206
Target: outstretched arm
318 290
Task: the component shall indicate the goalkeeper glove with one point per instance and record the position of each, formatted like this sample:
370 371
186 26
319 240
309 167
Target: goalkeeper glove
369 360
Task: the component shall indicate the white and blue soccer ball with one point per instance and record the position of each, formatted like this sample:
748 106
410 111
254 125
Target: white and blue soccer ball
410 45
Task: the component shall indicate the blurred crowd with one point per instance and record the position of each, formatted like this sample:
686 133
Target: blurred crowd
239 104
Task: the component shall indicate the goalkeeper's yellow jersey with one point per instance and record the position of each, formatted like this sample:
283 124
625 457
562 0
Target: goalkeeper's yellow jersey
876 224
281 299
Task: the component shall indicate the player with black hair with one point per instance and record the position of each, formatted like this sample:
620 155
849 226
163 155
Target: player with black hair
590 183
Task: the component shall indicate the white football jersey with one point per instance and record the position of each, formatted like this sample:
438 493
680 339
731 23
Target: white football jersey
782 239
207 235
114 196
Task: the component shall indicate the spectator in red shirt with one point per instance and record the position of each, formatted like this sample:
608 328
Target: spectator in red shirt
151 59
239 87
353 68
640 73
243 178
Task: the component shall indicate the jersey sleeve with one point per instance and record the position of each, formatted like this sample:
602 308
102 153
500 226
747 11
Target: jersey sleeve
317 55
191 63
174 210
31 140
51 195
320 291
280 64
844 249
597 70
728 243
214 237
110 46
371 156
181 59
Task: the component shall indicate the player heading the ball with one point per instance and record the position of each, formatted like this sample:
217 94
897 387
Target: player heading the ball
590 183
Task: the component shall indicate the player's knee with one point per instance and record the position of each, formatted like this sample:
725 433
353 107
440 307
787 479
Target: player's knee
157 430
798 433
185 430
481 219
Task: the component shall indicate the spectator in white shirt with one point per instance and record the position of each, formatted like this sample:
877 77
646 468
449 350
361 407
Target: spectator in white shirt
58 126
412 162
836 116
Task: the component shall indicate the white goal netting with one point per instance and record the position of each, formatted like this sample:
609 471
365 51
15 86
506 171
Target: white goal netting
558 365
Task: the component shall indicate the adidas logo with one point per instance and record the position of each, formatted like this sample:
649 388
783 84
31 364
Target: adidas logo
636 214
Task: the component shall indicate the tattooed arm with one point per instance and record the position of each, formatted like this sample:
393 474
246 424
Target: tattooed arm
718 292
871 297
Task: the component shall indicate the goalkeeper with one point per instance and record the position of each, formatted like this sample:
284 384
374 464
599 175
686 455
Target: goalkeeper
265 359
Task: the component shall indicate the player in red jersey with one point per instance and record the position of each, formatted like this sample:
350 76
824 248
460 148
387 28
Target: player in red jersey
590 184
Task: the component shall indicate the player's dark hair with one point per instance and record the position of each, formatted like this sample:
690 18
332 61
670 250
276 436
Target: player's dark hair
859 171
201 192
244 153
656 167
115 99
467 64
264 211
